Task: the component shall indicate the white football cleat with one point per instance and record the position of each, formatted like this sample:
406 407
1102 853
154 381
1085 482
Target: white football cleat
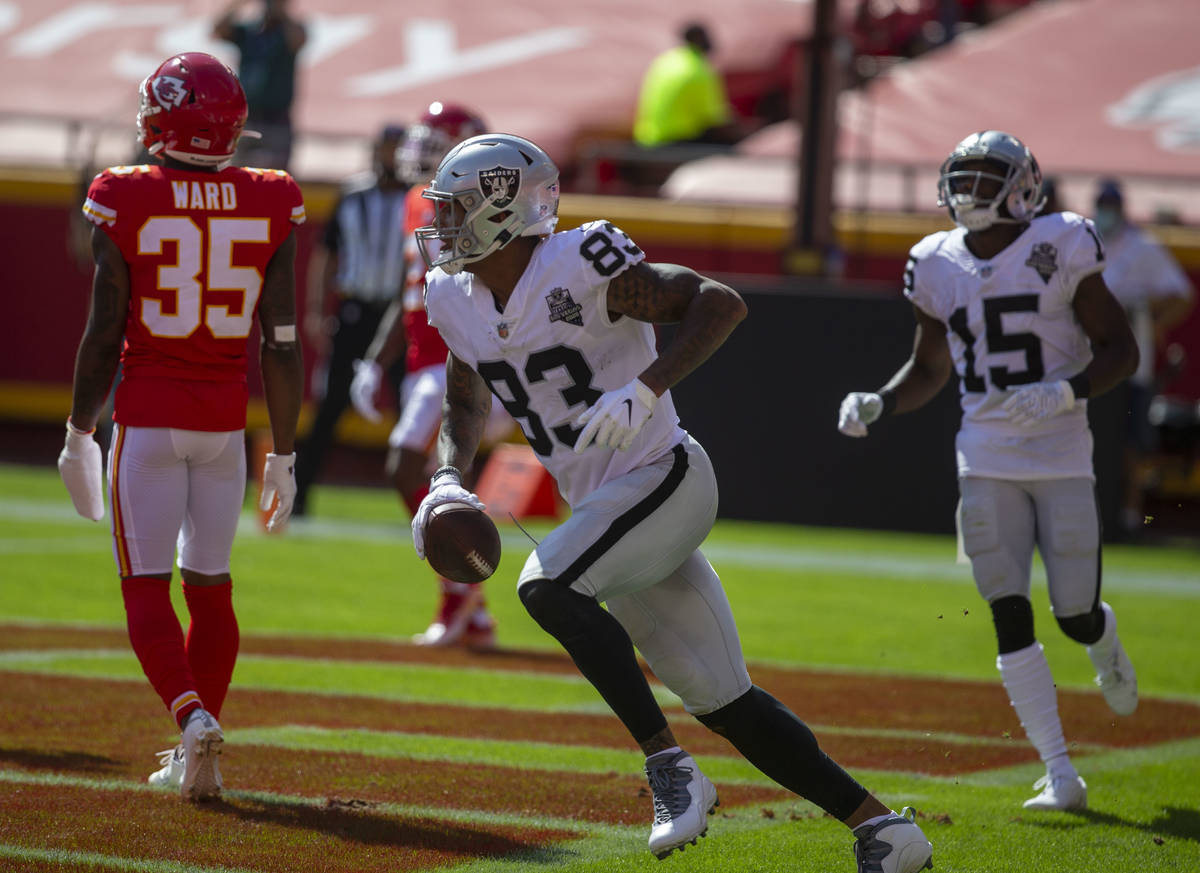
683 801
894 845
170 775
202 742
1059 792
1115 674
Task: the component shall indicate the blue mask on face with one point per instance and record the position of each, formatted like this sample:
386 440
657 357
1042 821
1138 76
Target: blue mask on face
1107 219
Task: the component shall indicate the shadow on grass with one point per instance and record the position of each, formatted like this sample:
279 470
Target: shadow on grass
360 822
1183 824
69 761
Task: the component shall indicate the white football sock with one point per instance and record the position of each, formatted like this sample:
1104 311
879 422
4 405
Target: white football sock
1030 687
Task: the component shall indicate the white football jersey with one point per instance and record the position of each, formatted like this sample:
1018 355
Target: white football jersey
554 350
1009 323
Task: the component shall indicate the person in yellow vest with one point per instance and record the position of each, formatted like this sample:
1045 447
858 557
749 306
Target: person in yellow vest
683 97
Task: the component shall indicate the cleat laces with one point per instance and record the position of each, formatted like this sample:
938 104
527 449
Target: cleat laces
669 785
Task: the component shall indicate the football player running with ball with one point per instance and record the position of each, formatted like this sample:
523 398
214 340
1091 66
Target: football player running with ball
189 254
559 328
1014 304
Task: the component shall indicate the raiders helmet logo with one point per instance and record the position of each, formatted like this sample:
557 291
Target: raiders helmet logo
168 91
500 182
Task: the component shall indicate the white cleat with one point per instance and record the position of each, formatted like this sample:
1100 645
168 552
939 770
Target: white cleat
683 800
894 845
202 742
1059 792
1115 674
170 775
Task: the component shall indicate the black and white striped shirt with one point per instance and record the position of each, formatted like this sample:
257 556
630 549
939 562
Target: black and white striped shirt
366 233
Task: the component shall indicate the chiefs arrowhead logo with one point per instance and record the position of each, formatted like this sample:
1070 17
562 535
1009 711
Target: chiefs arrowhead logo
169 91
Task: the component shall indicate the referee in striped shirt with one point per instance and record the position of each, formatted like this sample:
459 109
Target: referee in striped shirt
357 270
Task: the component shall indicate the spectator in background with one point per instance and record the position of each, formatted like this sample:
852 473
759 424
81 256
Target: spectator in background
359 267
267 46
1157 295
683 97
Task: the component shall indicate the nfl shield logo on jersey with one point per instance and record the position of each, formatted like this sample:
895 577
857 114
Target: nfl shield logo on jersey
563 307
1044 259
500 183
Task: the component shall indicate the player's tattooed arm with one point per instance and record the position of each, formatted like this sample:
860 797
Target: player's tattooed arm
705 310
279 355
464 413
100 348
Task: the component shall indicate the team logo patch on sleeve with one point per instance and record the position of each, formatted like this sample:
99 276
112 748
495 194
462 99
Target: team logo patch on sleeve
501 183
1044 259
563 307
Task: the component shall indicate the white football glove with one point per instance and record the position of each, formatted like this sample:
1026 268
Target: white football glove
444 487
367 377
279 480
858 410
616 418
79 465
1030 404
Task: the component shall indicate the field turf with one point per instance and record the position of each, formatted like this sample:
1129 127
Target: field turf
350 750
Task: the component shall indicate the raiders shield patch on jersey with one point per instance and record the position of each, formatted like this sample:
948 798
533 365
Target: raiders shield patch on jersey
500 182
563 307
1044 259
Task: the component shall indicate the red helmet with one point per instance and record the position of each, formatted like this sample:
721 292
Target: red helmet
443 126
192 108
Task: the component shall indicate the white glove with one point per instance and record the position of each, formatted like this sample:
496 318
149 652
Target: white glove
1030 404
616 418
444 487
79 466
279 480
367 377
858 410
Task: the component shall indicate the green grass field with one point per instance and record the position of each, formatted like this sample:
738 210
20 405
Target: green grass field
885 604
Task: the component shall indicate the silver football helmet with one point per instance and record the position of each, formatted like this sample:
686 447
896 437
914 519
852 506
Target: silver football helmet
975 196
488 190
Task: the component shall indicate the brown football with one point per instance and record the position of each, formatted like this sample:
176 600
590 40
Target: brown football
462 543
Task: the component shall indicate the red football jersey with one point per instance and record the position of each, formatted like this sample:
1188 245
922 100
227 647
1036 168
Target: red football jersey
197 246
425 346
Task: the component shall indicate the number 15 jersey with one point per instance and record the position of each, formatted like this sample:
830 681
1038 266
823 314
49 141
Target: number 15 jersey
196 245
554 350
1011 323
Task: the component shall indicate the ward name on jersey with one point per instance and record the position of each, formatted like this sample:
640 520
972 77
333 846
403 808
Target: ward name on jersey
1011 323
554 350
197 245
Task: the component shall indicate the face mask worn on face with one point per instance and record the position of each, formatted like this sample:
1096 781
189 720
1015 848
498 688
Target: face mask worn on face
1107 220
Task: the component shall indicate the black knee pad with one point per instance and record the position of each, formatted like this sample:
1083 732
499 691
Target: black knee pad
560 611
1013 618
1086 628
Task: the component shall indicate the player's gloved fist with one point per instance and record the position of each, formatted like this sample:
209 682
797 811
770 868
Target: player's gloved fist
616 418
279 480
367 377
858 410
444 487
1030 404
79 466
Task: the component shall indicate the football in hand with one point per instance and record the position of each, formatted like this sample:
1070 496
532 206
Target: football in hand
462 543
